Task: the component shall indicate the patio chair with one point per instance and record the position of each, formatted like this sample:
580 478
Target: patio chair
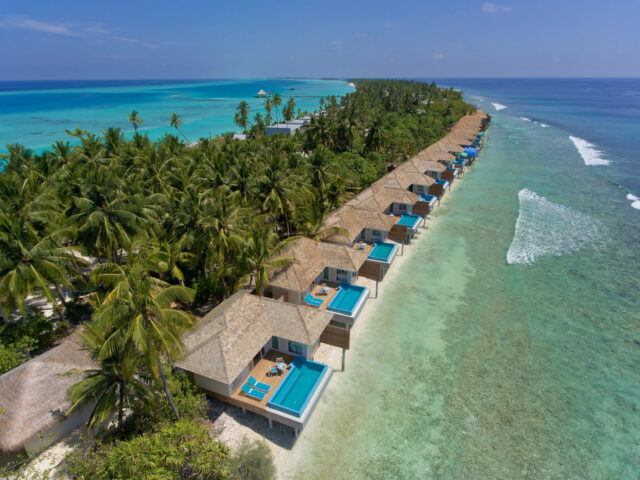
252 392
313 301
274 371
258 385
279 359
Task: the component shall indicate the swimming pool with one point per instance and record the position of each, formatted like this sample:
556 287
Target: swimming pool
444 183
382 252
348 300
410 221
428 198
297 388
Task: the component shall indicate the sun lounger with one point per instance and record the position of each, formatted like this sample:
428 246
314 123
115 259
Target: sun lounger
252 392
256 384
313 301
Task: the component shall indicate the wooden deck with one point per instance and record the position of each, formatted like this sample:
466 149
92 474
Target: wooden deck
317 290
259 372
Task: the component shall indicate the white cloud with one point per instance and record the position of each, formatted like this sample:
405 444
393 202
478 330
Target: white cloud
134 41
490 7
438 56
26 23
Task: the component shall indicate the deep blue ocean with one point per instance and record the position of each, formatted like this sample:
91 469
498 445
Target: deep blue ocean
506 345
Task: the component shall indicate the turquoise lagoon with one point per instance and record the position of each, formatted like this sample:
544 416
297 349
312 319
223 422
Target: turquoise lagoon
508 345
36 114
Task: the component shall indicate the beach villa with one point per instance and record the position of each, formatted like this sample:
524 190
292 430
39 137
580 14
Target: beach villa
366 231
256 353
407 177
435 170
323 276
287 128
34 399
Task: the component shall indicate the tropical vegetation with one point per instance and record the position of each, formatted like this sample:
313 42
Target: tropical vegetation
146 234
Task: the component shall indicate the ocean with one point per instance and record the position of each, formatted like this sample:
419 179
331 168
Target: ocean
508 345
36 114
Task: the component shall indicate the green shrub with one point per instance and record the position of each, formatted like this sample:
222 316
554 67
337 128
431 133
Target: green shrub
175 451
11 356
252 461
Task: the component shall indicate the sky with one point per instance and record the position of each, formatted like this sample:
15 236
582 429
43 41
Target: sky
144 39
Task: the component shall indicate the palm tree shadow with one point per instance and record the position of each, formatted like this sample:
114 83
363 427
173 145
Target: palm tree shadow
224 416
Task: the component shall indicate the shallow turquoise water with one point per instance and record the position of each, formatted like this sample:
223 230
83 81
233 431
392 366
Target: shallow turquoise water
37 114
471 367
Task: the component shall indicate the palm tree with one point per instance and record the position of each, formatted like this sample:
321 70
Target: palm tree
31 264
289 111
115 385
260 252
320 132
277 101
176 122
268 106
137 314
377 135
241 117
135 120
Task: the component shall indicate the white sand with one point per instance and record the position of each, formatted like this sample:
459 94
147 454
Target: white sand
230 425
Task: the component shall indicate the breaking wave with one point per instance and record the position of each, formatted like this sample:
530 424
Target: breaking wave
526 119
499 106
547 228
588 151
635 201
544 125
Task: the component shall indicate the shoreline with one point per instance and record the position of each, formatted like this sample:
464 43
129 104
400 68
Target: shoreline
231 426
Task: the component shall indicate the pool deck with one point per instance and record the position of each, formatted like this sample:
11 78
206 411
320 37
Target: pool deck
317 289
259 372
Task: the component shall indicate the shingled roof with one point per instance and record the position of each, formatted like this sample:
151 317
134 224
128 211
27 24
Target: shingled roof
310 260
230 335
355 220
34 394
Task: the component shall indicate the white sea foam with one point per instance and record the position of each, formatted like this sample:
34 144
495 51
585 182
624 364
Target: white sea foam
499 106
588 151
526 119
544 125
635 201
547 228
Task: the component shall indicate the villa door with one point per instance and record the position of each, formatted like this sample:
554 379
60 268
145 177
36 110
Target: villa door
257 358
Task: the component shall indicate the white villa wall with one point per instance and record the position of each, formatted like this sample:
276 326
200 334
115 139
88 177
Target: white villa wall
43 440
399 208
330 274
369 235
215 386
283 346
418 189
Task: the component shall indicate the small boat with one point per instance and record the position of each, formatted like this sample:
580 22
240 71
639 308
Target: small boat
261 94
292 88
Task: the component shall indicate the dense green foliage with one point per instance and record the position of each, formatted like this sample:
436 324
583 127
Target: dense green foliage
139 230
27 337
180 450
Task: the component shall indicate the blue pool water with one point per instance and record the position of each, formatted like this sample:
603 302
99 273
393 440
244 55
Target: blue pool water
347 299
427 198
410 221
295 391
441 181
382 251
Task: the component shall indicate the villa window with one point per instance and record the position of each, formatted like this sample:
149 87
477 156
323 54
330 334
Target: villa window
402 207
296 348
274 343
341 275
325 273
375 235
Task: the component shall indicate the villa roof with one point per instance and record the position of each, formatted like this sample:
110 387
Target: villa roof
34 394
230 335
354 220
310 260
423 165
